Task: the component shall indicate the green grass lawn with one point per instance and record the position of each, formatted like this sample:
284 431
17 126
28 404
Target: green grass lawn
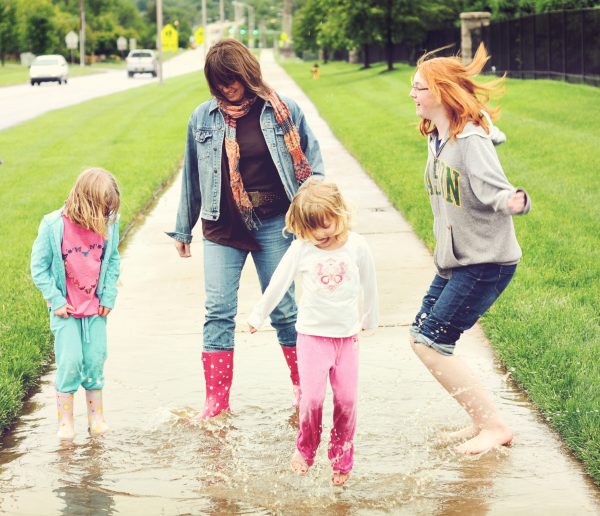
546 326
138 135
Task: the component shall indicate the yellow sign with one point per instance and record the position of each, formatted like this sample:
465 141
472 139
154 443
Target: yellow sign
199 35
283 39
169 38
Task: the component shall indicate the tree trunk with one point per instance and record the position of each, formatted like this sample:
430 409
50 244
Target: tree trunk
389 43
325 55
389 50
366 61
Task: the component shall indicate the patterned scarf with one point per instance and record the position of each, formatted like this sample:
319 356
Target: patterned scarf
231 112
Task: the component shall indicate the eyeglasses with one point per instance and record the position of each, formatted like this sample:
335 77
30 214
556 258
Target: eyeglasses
417 88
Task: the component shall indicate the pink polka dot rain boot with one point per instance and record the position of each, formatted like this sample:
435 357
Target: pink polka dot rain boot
218 375
292 362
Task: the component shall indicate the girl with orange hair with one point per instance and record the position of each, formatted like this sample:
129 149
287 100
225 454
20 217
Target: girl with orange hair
476 252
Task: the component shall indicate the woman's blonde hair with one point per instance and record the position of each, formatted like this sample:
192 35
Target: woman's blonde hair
316 204
94 201
229 60
451 83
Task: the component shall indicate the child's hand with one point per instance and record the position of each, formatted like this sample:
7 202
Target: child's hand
63 311
103 311
517 202
251 328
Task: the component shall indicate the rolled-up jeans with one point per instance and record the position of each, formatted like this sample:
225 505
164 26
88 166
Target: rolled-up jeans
222 270
452 306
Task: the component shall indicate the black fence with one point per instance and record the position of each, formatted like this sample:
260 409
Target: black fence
555 45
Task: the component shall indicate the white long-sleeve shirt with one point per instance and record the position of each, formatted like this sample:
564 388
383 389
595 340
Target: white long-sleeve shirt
332 284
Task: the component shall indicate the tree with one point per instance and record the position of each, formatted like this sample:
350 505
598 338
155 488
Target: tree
307 24
40 35
9 34
361 23
363 19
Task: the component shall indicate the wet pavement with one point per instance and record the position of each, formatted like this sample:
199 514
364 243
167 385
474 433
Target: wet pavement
152 462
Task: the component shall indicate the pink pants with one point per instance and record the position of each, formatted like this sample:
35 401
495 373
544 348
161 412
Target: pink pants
319 357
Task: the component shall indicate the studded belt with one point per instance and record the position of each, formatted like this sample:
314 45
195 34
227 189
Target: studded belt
263 198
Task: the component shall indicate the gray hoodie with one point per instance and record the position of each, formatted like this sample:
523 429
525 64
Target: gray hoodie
469 195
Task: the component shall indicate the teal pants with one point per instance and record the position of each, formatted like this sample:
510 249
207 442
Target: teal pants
80 352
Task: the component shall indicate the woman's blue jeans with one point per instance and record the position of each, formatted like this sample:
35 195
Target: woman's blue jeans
222 270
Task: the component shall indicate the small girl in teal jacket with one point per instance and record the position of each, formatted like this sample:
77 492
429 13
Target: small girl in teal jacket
75 264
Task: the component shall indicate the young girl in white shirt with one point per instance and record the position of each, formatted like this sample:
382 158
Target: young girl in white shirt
337 269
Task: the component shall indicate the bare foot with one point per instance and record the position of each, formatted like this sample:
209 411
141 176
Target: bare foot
486 440
66 432
339 479
98 427
299 464
459 435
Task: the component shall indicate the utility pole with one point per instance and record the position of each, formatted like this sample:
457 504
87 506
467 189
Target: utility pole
251 42
237 15
81 33
205 44
287 27
262 28
287 18
222 12
159 22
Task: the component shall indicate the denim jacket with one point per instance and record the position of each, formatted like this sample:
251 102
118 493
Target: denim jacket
201 181
48 268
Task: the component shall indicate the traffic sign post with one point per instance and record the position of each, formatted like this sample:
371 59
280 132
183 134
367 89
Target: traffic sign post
169 38
71 39
121 45
199 35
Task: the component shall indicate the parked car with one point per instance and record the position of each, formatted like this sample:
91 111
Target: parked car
142 61
52 67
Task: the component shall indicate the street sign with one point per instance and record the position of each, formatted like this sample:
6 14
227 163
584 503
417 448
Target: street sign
71 39
132 43
169 38
121 43
199 35
283 39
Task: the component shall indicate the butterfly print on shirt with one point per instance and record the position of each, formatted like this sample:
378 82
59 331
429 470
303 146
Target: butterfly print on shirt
331 273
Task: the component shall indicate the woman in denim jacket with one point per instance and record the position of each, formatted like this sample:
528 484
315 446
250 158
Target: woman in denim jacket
248 150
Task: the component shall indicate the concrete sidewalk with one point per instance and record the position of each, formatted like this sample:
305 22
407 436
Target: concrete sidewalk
151 462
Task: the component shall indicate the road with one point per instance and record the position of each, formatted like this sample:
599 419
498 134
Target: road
24 102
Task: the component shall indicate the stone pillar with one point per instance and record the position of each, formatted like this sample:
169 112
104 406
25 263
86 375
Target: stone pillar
469 22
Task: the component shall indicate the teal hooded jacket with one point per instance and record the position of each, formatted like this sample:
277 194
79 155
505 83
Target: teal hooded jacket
48 268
